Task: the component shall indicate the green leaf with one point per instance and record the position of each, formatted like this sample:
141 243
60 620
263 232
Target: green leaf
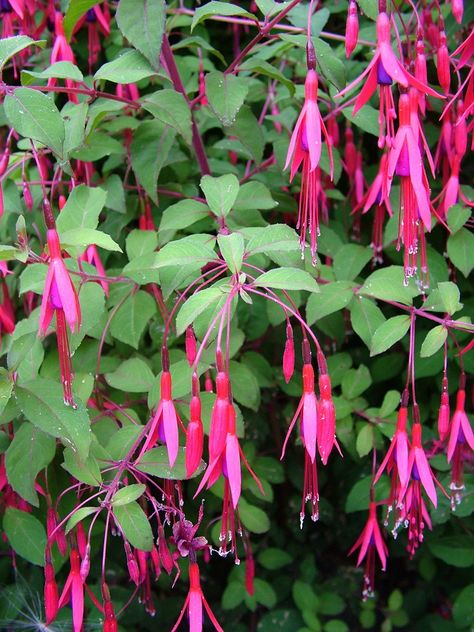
58 70
331 67
355 382
92 301
128 494
463 608
76 9
183 214
131 319
262 67
434 340
226 95
135 525
151 144
304 596
83 237
141 242
254 195
461 250
249 132
331 298
232 249
6 389
272 559
10 46
25 534
389 284
457 217
34 115
456 550
245 388
84 470
220 193
388 333
232 596
350 259
365 440
194 251
273 238
213 8
30 451
130 66
74 116
366 118
171 108
82 209
358 497
287 279
133 376
330 604
42 403
197 304
156 463
78 516
142 22
369 8
143 269
366 317
449 295
253 518
390 403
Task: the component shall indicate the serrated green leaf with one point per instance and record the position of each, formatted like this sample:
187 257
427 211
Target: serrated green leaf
220 193
82 209
171 108
131 319
226 94
142 22
287 279
130 66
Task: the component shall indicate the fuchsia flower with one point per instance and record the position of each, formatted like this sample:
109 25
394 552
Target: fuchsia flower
289 354
194 604
51 598
164 423
352 28
461 442
443 413
405 160
61 52
60 299
91 255
326 435
370 542
305 148
382 71
74 591
110 620
194 432
396 459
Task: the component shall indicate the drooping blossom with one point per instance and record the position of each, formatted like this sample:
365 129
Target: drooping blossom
110 620
194 603
289 354
371 543
164 423
50 594
92 256
194 432
97 19
352 28
460 446
444 411
396 459
60 299
382 71
73 591
305 149
405 161
326 432
62 52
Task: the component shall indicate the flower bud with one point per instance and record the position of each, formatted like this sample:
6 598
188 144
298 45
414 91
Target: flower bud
443 416
457 7
442 63
352 28
289 355
190 345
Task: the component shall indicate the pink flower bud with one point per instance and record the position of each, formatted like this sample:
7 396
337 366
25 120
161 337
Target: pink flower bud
352 28
460 130
62 202
190 344
442 63
27 197
132 565
194 438
4 161
86 564
443 416
249 574
166 558
289 355
457 7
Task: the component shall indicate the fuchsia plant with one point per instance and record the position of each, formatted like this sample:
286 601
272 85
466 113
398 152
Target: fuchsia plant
155 235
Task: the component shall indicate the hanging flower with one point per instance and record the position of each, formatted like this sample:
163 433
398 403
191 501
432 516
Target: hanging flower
194 604
460 444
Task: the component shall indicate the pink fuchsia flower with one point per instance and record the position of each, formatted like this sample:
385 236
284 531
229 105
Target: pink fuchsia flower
419 470
91 255
289 354
352 28
194 432
194 604
305 149
370 542
62 52
457 7
110 620
73 591
460 444
164 423
396 459
326 433
50 595
382 71
414 516
60 299
405 160
443 412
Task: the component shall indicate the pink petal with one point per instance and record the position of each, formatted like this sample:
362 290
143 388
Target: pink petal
416 177
356 81
46 313
218 428
384 463
392 66
313 133
393 156
295 137
380 545
454 433
290 428
310 424
426 476
211 615
77 595
195 611
170 426
367 91
467 431
67 294
365 542
232 459
402 457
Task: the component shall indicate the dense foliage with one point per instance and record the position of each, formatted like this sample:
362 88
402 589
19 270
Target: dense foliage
236 248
